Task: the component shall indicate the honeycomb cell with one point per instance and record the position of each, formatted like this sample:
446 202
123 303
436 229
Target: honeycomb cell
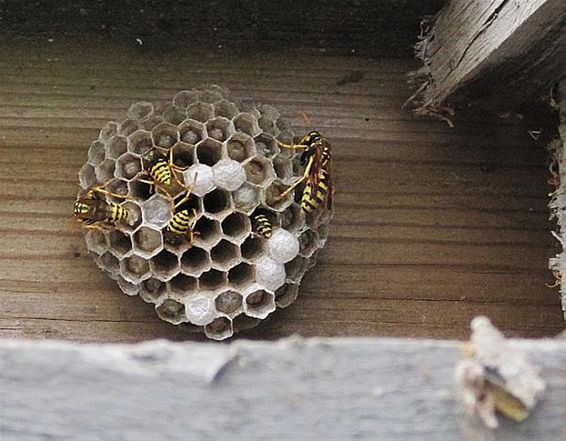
241 275
165 265
247 123
200 310
272 196
147 242
96 153
246 198
228 174
286 295
140 111
253 248
286 136
209 232
191 131
228 302
87 176
291 218
152 289
212 93
269 273
266 145
259 171
134 216
200 111
116 146
219 329
171 311
308 241
209 152
282 246
259 304
108 131
241 147
157 211
139 190
185 98
267 125
243 323
201 177
128 127
224 255
128 166
128 288
217 203
165 135
152 122
219 128
134 269
283 169
117 186
140 143
96 241
109 263
194 261
225 108
105 171
119 243
236 226
183 155
174 115
296 269
182 286
212 280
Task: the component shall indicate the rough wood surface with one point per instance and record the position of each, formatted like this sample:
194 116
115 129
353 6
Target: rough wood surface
289 390
433 226
504 52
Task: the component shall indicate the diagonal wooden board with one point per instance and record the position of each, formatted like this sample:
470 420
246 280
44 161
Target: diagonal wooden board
433 226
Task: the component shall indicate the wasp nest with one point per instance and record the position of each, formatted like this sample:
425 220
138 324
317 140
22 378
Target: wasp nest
230 277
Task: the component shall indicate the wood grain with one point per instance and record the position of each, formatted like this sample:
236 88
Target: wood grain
433 226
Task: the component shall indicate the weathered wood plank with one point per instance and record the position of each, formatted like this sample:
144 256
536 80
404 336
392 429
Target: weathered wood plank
289 390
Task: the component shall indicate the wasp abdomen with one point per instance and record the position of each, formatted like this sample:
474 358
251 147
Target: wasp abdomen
161 172
262 225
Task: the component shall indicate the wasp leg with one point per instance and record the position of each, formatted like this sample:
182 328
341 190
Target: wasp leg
191 233
108 193
306 175
292 146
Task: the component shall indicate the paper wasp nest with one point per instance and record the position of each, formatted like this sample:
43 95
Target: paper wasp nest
231 277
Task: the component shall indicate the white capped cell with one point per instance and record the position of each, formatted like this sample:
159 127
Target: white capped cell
229 174
269 273
283 245
204 181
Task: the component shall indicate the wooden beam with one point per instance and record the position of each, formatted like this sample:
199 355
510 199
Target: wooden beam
504 52
319 389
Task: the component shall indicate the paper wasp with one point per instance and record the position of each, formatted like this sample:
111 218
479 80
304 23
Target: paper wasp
181 226
94 212
262 225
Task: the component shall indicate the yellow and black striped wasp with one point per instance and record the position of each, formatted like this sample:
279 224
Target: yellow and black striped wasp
262 225
94 212
181 227
317 161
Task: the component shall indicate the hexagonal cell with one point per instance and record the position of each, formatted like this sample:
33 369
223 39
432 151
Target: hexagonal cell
157 210
246 198
109 262
291 218
219 329
246 122
241 147
191 131
171 311
116 146
296 269
108 131
269 273
308 243
266 145
322 232
252 248
182 285
267 124
128 127
259 171
119 243
212 280
208 232
140 143
259 304
134 269
117 186
96 241
200 111
147 242
283 168
183 155
152 289
209 152
219 128
236 225
165 265
165 135
272 193
243 323
283 246
87 176
201 177
195 260
286 136
134 216
224 255
229 174
127 166
139 190
211 93
225 108
217 203
241 275
185 98
153 121
174 115
96 153
105 171
200 310
228 302
140 111
128 288
286 295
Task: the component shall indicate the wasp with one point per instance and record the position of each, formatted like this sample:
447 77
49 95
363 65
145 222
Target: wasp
262 225
317 161
93 212
182 225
